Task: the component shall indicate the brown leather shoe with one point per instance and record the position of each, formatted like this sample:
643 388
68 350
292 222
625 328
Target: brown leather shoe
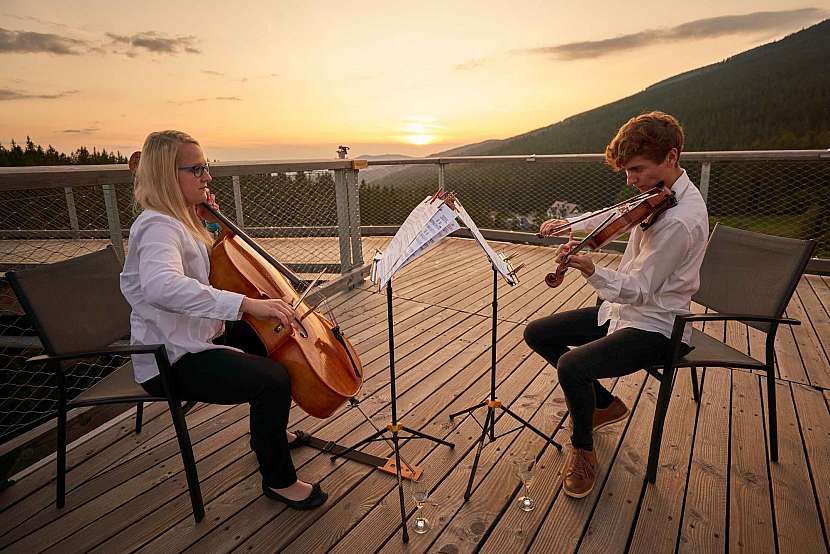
579 473
616 411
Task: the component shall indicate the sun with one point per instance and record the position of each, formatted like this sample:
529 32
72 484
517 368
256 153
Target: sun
419 139
419 130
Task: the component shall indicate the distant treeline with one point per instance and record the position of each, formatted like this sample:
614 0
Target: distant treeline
34 154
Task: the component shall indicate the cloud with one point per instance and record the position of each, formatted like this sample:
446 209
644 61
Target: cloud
473 64
28 42
8 94
156 43
37 20
20 42
86 131
195 100
751 23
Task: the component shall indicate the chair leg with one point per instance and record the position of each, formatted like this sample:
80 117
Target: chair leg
695 386
187 458
61 456
139 415
773 418
660 411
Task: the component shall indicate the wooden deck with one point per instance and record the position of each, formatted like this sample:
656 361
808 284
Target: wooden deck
715 488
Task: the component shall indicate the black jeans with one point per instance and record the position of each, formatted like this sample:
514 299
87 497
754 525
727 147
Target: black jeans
596 355
223 376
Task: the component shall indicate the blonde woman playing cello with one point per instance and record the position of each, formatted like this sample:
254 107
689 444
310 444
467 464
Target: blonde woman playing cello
165 280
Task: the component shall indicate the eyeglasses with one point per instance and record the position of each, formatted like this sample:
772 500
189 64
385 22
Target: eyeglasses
197 170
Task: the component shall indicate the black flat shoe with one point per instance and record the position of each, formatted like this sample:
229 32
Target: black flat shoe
316 498
301 439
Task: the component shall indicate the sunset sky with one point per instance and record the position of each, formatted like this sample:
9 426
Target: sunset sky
293 79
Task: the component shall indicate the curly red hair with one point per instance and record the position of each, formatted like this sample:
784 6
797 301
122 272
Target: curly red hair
650 135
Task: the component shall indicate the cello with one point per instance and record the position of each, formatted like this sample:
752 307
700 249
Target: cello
325 369
636 210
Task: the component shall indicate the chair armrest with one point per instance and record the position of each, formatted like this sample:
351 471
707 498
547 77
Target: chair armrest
739 317
117 349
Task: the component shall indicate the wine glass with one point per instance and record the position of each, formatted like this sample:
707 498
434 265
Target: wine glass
524 466
420 494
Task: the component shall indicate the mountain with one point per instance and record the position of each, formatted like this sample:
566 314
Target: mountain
374 173
775 96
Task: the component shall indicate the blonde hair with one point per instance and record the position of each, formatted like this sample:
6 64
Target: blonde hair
157 184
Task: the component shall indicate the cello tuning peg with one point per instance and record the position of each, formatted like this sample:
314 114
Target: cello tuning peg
518 267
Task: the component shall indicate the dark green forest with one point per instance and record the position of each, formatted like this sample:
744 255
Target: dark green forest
773 97
34 154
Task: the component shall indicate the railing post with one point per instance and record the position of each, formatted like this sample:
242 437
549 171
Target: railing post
111 202
354 216
705 169
73 212
237 200
341 194
441 167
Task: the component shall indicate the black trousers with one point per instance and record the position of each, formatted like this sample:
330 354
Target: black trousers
224 376
596 355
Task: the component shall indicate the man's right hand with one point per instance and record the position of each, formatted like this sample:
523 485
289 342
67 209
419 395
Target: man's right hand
551 224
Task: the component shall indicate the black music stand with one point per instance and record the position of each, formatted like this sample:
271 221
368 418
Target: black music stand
394 427
494 403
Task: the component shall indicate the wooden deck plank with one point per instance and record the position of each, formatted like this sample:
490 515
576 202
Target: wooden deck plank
660 511
703 527
814 422
817 312
811 352
798 528
750 513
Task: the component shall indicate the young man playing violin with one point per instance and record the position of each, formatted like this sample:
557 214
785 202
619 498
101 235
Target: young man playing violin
630 327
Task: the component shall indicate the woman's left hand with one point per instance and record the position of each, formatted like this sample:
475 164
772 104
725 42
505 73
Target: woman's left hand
203 213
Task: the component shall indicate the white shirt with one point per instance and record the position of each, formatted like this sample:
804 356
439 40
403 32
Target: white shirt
165 280
660 269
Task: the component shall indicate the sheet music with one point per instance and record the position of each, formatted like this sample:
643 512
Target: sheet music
424 227
427 224
495 259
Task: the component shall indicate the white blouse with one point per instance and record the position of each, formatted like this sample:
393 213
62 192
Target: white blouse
660 269
165 280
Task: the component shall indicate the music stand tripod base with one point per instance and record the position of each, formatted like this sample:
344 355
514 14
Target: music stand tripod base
493 403
394 464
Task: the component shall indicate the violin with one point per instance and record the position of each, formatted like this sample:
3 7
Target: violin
325 369
634 211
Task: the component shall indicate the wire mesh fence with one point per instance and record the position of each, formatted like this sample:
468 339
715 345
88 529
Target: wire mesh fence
787 198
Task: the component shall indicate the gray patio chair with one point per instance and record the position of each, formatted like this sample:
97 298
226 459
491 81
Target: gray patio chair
747 277
79 312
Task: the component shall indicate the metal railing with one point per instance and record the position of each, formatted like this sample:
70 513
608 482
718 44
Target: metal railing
54 213
775 192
